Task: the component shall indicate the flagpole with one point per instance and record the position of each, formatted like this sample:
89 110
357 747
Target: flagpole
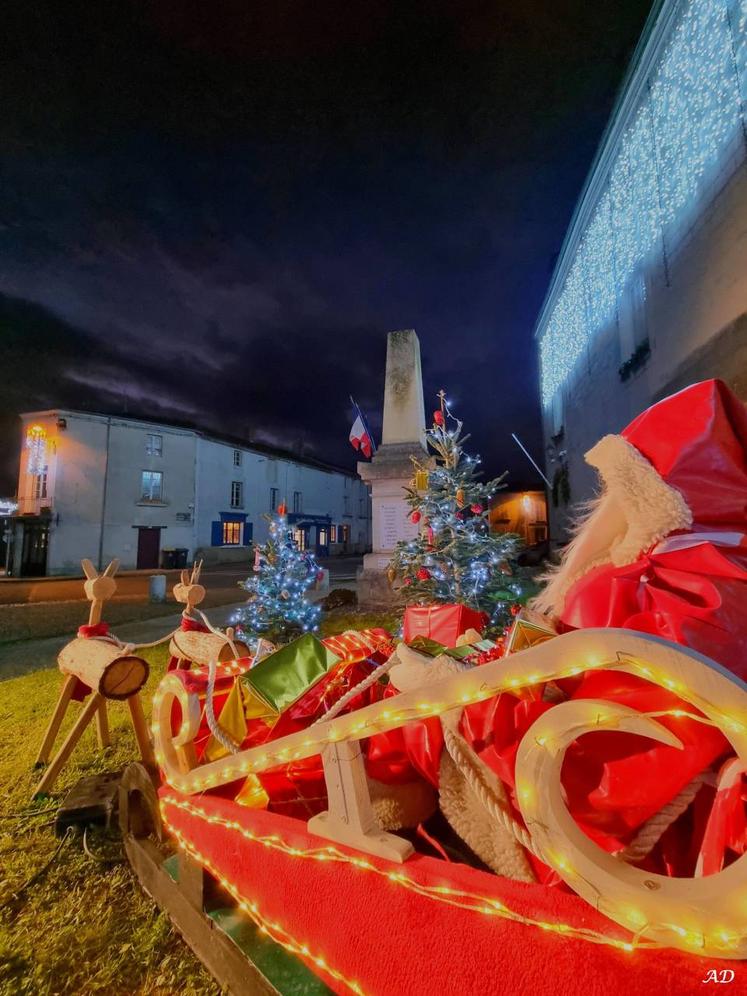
529 457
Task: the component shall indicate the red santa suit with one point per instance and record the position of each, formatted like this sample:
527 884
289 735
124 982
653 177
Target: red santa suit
665 550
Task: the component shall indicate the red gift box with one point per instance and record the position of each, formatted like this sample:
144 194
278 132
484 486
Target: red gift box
443 623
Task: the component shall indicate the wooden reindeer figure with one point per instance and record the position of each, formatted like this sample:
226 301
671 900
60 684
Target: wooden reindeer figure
98 664
196 642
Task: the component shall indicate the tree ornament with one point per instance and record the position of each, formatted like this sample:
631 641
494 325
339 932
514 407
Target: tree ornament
515 610
421 480
391 575
454 557
282 508
278 608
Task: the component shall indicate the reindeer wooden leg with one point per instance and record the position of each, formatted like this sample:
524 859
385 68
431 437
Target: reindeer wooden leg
66 693
89 711
102 725
141 731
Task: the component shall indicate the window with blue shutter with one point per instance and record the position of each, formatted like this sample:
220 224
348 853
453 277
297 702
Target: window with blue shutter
248 529
216 534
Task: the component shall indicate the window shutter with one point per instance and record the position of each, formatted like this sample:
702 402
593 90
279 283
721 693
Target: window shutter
216 534
248 530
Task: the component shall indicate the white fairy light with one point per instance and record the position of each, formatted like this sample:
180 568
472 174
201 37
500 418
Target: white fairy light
681 129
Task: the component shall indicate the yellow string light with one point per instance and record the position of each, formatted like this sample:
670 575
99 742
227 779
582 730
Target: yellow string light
486 905
275 931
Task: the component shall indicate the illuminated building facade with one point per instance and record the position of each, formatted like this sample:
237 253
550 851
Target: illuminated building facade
650 289
104 486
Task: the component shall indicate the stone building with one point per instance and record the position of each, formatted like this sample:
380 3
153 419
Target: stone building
650 288
102 486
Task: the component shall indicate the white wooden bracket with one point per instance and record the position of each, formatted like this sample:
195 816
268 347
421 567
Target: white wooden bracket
350 819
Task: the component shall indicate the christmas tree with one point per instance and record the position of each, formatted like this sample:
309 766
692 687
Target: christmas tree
278 607
455 557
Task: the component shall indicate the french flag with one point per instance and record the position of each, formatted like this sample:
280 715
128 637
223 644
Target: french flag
360 434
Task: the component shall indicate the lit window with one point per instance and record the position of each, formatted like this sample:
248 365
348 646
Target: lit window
237 494
231 534
237 458
152 485
273 499
345 533
153 445
297 501
333 534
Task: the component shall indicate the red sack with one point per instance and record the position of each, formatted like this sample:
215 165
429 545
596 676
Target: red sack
443 623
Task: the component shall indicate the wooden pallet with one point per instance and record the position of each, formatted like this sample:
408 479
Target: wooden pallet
241 960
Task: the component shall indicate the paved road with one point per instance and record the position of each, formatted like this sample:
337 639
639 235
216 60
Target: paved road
134 583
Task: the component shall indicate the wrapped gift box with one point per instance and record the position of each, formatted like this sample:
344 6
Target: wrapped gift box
442 623
529 628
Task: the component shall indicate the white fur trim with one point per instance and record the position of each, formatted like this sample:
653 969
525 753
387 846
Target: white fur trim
652 507
637 509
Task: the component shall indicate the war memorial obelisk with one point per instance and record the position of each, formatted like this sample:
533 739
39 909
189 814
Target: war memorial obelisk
391 469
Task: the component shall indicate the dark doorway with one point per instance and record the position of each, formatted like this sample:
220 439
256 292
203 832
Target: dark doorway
34 550
148 547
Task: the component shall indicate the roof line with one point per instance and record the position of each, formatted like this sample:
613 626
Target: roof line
263 449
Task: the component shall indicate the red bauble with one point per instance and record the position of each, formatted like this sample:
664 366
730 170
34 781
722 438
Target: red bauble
477 509
438 418
319 575
407 581
460 515
423 574
415 517
515 610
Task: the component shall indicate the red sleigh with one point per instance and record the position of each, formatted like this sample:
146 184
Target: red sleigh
358 911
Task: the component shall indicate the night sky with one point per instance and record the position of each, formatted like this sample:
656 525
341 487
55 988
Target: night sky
213 212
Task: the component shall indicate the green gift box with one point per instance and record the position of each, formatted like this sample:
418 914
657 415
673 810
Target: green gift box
282 678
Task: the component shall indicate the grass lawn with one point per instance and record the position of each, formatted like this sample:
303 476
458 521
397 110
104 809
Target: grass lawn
85 927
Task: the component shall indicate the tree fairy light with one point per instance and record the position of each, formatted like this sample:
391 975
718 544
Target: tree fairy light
680 131
278 605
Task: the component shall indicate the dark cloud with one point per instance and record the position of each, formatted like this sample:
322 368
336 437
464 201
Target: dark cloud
218 211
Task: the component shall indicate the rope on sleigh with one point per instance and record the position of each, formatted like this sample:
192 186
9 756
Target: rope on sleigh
223 738
654 828
639 848
469 765
358 689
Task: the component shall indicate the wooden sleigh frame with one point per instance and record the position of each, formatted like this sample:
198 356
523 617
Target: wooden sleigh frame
707 916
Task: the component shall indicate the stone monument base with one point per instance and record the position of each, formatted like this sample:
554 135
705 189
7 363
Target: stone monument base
375 592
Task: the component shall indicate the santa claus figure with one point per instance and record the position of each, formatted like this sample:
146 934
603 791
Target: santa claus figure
662 550
664 547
